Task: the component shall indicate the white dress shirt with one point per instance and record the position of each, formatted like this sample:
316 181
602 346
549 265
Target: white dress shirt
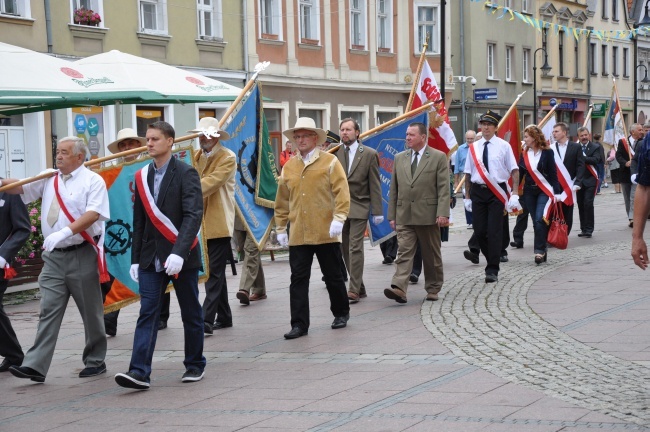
84 191
352 152
501 160
560 149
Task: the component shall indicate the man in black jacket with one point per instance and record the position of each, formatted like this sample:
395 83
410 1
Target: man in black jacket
165 249
570 154
623 152
592 153
14 231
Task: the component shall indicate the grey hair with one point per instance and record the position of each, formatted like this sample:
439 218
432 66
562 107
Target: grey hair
78 145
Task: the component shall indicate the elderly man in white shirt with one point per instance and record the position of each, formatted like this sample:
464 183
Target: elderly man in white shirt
72 225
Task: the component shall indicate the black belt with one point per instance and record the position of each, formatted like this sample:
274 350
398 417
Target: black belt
482 186
75 247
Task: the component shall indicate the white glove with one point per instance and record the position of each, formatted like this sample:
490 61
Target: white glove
633 179
48 171
468 204
174 264
558 198
3 262
336 228
377 219
55 238
134 272
513 203
576 188
283 239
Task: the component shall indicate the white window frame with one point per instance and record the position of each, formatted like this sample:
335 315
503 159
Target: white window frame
216 20
398 111
274 15
525 6
358 24
314 21
363 109
168 112
23 9
385 23
161 16
561 53
510 54
614 10
97 6
604 14
626 62
604 69
283 107
525 63
434 41
593 68
615 69
508 3
326 108
491 60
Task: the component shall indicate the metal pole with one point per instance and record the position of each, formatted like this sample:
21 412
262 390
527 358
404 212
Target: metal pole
535 89
636 81
463 108
443 62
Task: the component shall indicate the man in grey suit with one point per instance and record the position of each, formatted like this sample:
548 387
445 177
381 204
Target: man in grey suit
361 165
418 206
14 231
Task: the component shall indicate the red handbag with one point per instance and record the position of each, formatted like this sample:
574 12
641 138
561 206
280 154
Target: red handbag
558 233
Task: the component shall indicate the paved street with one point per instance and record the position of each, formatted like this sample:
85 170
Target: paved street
564 346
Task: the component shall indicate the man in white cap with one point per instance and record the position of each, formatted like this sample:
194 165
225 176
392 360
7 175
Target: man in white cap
313 195
128 139
217 167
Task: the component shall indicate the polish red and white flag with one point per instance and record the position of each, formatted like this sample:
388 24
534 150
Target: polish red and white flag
441 136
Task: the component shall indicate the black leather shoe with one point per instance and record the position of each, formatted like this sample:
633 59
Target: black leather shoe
413 278
582 234
516 245
218 325
111 331
503 258
586 235
162 325
491 278
25 372
340 322
471 256
93 371
5 365
388 260
295 333
207 328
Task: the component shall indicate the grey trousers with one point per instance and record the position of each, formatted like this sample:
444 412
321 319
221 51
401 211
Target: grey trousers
66 274
352 248
252 278
628 190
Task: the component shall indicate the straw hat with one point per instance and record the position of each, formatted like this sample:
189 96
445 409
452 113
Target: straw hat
307 124
122 135
209 126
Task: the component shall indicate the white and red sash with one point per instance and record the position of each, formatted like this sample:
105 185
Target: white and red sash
98 246
490 182
542 183
564 178
158 219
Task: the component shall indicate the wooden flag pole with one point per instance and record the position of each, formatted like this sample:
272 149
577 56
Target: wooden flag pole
418 73
618 101
547 117
391 122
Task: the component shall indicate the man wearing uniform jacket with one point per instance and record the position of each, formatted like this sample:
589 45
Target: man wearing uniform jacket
587 192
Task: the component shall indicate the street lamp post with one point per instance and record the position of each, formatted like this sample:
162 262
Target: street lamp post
463 108
545 70
645 80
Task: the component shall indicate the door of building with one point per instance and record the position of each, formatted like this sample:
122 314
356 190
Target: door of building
12 153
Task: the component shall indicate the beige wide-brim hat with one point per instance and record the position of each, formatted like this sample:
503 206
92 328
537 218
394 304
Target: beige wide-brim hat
209 126
122 135
307 124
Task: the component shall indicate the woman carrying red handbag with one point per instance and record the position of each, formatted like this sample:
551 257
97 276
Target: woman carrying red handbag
541 186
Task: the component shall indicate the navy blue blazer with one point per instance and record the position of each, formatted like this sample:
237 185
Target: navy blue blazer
546 166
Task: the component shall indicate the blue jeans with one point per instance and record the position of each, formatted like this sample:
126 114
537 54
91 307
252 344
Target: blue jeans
152 288
536 199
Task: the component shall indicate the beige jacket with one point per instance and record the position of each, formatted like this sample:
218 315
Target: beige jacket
363 181
419 199
310 196
217 173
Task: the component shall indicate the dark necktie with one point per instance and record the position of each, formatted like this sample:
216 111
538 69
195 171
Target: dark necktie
584 148
414 164
485 155
347 158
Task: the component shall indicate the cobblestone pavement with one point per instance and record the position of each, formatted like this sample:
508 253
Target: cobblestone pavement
564 346
492 326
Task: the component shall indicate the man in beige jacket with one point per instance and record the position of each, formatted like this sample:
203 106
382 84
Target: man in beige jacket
217 166
313 195
418 206
361 165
